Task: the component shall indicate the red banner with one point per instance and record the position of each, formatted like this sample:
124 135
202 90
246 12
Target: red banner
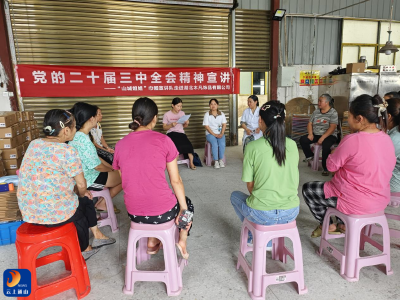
87 81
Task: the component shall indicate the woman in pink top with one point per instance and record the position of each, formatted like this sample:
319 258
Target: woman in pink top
175 130
142 157
363 164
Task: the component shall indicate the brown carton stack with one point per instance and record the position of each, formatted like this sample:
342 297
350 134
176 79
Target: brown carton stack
17 130
9 210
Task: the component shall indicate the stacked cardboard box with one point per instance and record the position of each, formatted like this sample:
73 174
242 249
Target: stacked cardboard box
345 124
9 210
17 130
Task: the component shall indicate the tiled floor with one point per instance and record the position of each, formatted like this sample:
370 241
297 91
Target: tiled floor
213 247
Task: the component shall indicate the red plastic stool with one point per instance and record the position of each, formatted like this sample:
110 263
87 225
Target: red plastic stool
33 239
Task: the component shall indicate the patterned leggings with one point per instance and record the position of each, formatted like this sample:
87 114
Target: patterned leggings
314 196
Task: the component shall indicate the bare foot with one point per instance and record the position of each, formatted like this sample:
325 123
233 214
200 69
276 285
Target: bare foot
98 234
152 242
182 248
332 228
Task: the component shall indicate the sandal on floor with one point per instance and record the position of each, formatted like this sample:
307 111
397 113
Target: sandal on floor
88 254
318 231
155 249
193 168
97 243
185 256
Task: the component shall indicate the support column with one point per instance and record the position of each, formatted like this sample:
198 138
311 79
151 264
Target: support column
274 61
6 58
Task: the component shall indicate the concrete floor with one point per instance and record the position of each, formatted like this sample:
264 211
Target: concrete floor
214 245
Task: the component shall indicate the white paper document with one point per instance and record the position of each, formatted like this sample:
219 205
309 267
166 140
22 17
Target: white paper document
183 119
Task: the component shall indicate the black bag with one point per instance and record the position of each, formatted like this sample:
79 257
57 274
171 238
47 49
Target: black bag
197 160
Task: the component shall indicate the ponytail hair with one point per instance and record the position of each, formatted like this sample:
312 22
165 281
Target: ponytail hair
143 111
273 114
83 112
394 110
371 108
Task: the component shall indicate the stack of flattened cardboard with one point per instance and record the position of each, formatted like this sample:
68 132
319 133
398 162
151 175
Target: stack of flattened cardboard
9 210
17 130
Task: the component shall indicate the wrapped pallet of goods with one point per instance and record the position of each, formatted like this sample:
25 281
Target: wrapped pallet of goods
17 130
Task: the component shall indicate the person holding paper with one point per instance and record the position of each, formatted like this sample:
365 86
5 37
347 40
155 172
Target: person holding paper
174 127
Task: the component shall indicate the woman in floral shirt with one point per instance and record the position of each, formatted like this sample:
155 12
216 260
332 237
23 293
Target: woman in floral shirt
52 189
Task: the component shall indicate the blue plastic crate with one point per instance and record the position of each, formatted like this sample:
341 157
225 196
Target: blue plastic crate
8 232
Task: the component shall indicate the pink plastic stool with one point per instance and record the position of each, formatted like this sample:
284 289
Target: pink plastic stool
316 163
182 160
370 230
108 218
258 279
168 234
208 155
355 238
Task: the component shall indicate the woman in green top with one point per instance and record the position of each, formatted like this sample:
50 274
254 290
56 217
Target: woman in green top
270 169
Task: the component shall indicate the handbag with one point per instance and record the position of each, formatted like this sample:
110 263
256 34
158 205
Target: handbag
197 160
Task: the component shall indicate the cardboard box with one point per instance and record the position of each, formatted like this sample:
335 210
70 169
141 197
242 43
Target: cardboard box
22 138
355 68
9 143
19 116
33 125
22 127
12 172
26 145
9 132
13 153
11 164
37 131
29 115
30 136
7 118
28 125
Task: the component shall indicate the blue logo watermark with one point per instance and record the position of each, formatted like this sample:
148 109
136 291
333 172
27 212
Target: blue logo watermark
17 283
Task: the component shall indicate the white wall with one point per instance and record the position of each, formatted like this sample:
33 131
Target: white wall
5 104
285 94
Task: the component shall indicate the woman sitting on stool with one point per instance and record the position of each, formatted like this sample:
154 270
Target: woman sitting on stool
363 164
249 121
322 129
47 177
215 123
175 130
98 173
142 157
103 150
270 169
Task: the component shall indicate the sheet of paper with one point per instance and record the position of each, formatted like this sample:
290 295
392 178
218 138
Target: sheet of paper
183 119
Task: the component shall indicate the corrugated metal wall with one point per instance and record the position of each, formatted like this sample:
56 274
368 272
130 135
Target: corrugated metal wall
252 36
373 9
300 33
122 33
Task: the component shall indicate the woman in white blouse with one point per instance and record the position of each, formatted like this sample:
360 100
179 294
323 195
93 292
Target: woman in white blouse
103 150
249 121
215 123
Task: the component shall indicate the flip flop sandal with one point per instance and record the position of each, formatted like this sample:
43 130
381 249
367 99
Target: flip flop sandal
155 249
97 243
318 231
185 256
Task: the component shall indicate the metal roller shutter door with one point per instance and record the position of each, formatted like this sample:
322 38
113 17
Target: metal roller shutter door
124 34
252 36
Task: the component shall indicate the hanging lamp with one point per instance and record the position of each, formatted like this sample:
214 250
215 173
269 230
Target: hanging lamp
389 48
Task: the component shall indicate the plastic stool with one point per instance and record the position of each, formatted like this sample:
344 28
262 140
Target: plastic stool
316 162
168 234
182 160
107 218
33 239
370 230
258 279
208 155
355 238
